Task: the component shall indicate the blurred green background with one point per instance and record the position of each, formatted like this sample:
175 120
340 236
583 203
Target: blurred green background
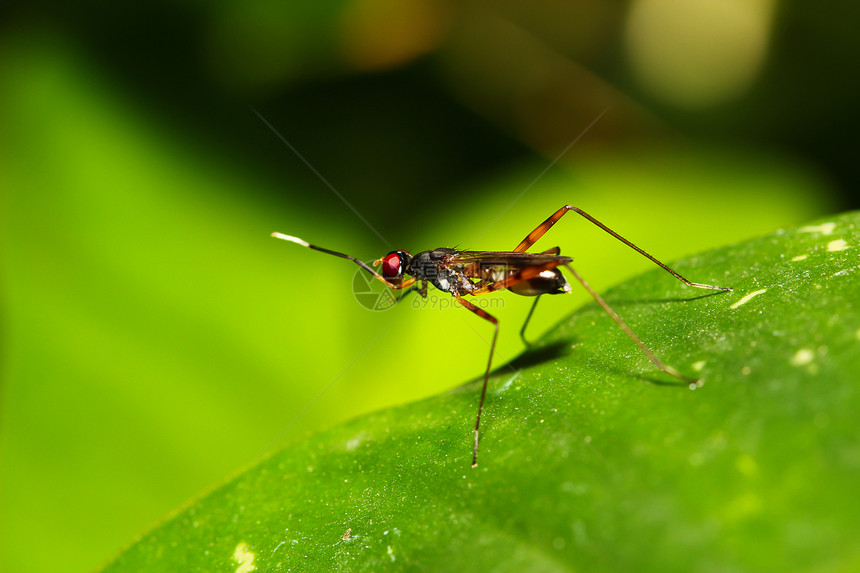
156 339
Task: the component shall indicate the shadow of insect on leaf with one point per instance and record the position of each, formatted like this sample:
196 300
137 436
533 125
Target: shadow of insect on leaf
531 357
537 355
633 301
617 370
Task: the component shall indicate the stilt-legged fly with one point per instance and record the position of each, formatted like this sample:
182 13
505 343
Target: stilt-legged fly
473 273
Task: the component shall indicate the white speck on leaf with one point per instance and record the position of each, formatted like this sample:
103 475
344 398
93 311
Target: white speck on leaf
245 558
799 258
353 443
747 298
823 228
507 384
837 245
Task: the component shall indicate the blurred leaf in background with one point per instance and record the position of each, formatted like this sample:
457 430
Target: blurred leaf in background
150 322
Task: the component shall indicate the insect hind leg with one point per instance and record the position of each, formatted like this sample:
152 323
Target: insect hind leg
552 251
629 332
526 323
541 230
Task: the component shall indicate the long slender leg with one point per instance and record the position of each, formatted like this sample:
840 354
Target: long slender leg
409 291
486 316
422 292
552 251
657 362
541 229
526 323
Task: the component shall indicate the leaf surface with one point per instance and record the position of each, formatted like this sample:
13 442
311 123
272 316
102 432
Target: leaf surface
590 458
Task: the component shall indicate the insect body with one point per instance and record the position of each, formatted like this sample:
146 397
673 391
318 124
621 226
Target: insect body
474 273
467 272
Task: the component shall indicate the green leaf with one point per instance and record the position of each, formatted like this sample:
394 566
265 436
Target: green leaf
590 459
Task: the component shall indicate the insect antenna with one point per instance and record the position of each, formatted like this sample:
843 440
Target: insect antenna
304 243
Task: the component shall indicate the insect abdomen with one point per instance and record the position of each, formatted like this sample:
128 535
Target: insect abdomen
548 282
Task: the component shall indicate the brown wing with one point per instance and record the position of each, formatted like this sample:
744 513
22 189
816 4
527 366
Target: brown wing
493 266
507 258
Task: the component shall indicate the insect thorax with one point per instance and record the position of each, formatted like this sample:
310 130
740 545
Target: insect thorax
434 266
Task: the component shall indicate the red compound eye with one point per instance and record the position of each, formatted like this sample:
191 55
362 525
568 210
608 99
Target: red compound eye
392 266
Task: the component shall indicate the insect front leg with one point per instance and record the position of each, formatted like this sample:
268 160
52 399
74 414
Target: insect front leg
396 286
422 292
